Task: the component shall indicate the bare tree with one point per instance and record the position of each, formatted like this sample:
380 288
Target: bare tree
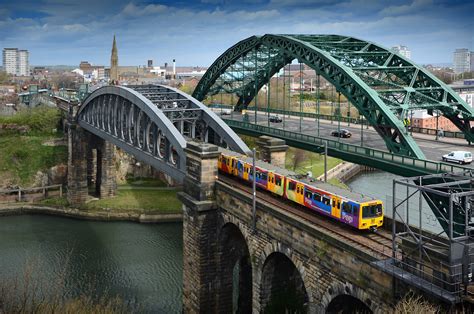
298 157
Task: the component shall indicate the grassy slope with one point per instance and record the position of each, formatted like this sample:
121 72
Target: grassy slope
22 156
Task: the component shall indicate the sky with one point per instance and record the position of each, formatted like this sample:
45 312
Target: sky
195 33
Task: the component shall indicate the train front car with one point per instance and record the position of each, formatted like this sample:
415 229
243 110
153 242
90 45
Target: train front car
371 215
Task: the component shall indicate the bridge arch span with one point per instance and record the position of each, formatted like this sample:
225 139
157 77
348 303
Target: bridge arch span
235 293
282 286
347 298
383 85
153 123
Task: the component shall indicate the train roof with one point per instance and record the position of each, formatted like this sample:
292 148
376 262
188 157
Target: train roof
357 197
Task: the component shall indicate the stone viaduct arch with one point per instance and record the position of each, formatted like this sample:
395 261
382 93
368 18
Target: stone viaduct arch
383 85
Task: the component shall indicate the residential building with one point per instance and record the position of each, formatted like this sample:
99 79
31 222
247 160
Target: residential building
422 119
16 61
461 60
403 50
23 63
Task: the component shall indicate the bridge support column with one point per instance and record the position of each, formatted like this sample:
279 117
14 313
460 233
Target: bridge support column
108 183
272 150
77 165
200 260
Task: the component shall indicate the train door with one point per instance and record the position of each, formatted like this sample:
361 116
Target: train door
271 182
336 206
300 193
235 171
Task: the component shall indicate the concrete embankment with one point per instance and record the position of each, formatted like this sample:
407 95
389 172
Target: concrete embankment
345 171
28 209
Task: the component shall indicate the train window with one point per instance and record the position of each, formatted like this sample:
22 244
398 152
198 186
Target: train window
264 176
233 163
326 200
258 175
317 197
278 181
308 194
347 208
291 185
371 211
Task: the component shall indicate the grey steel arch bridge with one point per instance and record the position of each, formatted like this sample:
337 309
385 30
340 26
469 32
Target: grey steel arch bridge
153 123
384 86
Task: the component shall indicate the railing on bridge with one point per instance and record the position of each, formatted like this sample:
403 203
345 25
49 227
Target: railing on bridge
415 129
373 157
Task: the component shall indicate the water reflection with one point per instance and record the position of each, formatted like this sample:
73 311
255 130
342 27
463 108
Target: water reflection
140 263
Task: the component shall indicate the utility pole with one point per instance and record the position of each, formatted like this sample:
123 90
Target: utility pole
325 161
254 192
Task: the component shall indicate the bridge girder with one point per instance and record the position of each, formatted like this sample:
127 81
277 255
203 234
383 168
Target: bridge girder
153 123
381 84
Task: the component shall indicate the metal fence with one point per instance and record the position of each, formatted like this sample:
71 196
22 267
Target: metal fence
423 165
22 194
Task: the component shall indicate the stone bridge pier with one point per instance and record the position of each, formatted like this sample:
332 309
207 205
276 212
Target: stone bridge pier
91 169
284 265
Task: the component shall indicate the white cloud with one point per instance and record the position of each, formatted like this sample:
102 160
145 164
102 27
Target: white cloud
75 28
134 10
415 6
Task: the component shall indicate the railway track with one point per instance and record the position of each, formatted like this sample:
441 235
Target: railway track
377 245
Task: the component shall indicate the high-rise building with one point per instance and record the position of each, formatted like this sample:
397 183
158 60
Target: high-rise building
472 61
461 60
403 50
114 64
23 64
16 61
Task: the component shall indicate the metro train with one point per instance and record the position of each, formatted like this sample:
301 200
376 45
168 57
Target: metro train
350 208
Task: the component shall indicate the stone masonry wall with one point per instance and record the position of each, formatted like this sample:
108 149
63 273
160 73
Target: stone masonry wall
328 268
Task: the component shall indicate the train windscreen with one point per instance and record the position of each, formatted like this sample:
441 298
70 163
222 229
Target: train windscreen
371 211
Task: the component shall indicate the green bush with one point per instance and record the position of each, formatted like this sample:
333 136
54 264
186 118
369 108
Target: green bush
39 119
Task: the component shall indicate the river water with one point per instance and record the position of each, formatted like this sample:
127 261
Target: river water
140 263
380 185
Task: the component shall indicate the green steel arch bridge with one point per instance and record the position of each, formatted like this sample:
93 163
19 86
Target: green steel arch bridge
383 85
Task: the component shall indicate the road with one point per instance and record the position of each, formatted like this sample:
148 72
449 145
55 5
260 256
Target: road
368 137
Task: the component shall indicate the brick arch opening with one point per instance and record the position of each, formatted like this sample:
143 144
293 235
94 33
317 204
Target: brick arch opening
282 287
346 304
235 292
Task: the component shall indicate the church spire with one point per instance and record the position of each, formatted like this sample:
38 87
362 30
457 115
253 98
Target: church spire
114 64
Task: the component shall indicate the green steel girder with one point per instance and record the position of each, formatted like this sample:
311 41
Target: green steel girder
381 84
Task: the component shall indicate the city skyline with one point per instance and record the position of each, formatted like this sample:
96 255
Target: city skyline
196 33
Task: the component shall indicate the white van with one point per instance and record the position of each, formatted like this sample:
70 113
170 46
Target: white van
458 156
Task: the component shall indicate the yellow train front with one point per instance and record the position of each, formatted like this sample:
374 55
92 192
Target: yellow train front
348 207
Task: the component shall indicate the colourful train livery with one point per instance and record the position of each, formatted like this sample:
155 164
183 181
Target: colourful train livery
350 208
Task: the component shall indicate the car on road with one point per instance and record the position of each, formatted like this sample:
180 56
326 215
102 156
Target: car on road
460 157
275 119
226 112
341 133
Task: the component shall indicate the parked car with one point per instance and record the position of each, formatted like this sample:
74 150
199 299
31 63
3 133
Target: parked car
341 133
275 119
460 157
226 112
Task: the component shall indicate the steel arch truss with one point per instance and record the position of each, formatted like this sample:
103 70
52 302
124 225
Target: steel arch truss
153 123
382 85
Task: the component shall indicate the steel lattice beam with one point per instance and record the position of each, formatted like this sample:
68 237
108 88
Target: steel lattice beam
154 131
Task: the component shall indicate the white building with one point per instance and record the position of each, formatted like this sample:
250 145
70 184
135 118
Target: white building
16 61
461 60
403 50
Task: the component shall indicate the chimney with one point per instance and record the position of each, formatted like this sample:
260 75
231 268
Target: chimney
174 68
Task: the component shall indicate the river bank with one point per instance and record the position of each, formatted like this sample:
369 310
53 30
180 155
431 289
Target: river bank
96 215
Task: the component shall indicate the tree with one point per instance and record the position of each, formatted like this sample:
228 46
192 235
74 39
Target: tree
4 77
298 157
